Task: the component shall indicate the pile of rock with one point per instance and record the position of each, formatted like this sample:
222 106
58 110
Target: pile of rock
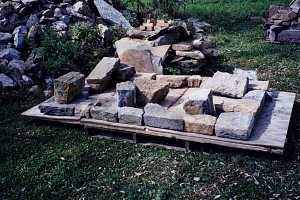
283 23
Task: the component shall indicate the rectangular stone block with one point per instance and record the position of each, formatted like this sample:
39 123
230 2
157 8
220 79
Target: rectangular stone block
235 125
226 84
258 96
194 81
258 85
199 102
159 117
202 124
68 87
126 94
129 115
174 81
55 109
109 114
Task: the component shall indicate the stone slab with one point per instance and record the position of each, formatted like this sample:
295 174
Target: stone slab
159 117
130 115
202 124
235 125
55 109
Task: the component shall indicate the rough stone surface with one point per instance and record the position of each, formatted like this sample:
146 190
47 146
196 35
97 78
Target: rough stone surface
203 124
198 55
19 36
235 125
6 82
224 104
106 33
150 91
199 102
129 115
82 8
145 76
174 81
290 35
32 20
3 66
258 85
60 26
182 47
194 81
109 114
110 14
68 87
57 109
250 74
227 84
126 94
257 95
5 37
9 54
102 73
124 73
125 44
159 117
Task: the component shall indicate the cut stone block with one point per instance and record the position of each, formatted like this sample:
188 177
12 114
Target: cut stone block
106 99
150 91
203 124
227 84
235 125
258 85
224 104
129 115
109 114
290 35
200 102
159 117
257 95
194 81
174 81
102 73
172 97
52 108
198 55
126 94
68 87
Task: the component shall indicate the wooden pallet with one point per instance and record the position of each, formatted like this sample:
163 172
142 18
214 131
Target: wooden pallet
269 133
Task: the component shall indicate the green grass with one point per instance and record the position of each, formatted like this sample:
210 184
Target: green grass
47 161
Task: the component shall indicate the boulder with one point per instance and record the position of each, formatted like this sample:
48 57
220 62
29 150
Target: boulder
19 36
10 54
6 82
111 15
150 91
235 125
68 87
33 33
129 115
203 124
5 38
199 102
197 55
227 84
109 114
174 81
159 117
126 94
101 74
82 8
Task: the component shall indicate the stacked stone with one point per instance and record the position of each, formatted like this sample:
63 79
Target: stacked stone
283 23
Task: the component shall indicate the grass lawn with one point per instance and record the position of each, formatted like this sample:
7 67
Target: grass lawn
40 161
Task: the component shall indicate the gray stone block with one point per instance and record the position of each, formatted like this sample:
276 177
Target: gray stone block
109 114
55 109
126 94
235 125
129 115
159 117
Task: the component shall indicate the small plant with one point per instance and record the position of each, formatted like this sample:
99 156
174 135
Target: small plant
86 34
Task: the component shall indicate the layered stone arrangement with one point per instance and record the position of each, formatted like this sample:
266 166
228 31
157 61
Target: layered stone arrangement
283 23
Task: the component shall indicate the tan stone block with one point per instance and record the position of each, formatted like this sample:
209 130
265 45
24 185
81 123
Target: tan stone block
174 81
203 124
194 81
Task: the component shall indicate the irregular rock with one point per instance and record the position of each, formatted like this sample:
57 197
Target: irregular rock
168 35
295 6
8 24
111 15
159 54
33 32
145 76
10 54
82 8
198 55
57 109
124 73
58 12
182 47
27 81
6 8
109 114
194 81
102 73
200 44
199 102
235 125
5 37
35 91
159 117
203 124
19 36
126 94
125 44
150 91
60 26
4 66
68 87
32 20
129 115
17 64
106 33
173 80
29 2
6 82
227 84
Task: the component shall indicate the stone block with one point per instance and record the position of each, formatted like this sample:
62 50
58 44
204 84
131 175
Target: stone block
150 91
200 102
194 81
174 81
227 84
124 73
159 117
290 35
52 108
126 94
258 85
203 124
109 114
68 87
198 55
250 74
129 115
235 125
257 95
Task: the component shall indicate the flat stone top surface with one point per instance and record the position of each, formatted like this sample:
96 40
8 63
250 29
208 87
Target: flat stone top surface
70 77
103 68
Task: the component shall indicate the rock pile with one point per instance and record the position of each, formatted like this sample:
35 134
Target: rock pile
283 23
